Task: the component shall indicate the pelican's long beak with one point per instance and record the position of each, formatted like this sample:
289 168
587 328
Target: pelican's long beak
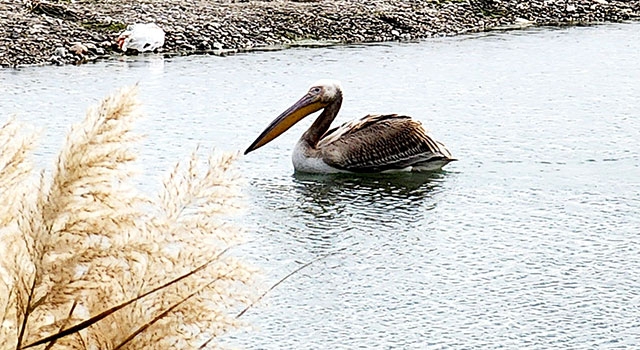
305 106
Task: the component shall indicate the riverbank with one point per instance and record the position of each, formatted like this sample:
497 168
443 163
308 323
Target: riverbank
63 32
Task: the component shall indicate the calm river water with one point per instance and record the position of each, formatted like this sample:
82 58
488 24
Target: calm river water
531 240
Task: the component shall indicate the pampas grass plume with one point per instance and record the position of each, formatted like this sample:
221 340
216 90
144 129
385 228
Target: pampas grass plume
89 262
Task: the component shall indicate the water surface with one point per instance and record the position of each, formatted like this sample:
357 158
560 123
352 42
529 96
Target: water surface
531 240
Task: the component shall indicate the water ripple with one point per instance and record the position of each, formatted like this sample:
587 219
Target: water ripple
529 241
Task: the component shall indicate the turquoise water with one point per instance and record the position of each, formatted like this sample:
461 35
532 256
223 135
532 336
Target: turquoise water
531 240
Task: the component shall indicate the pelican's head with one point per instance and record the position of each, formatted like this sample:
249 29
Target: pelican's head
320 94
327 89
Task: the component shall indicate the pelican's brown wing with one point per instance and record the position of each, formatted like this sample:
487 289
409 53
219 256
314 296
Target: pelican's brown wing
381 142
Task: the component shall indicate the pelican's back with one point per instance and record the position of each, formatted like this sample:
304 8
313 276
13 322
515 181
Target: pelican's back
382 143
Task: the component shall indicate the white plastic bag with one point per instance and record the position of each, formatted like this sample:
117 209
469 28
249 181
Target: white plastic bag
141 37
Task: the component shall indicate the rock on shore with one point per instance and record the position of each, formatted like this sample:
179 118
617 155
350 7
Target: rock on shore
76 31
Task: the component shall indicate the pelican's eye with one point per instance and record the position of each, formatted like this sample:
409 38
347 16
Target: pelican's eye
315 90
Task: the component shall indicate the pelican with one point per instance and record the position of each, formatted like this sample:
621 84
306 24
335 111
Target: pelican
375 143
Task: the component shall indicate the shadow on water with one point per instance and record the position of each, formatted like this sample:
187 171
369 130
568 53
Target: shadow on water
326 211
335 205
329 189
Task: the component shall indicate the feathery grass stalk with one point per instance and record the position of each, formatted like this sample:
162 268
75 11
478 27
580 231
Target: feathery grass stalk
91 321
25 317
162 315
53 342
85 242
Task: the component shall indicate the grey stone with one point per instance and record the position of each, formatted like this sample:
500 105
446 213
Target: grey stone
78 49
59 52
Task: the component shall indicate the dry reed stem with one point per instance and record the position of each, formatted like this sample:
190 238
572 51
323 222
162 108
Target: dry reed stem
86 241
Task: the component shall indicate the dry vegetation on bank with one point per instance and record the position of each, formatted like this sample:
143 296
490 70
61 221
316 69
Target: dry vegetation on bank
83 248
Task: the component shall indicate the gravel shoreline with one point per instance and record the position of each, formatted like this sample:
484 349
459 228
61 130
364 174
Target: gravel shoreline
34 32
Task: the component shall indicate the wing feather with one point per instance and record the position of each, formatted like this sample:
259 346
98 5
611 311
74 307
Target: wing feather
380 142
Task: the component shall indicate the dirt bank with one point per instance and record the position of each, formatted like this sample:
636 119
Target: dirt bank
75 31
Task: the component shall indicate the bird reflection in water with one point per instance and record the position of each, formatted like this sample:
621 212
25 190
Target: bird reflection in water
319 213
334 205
